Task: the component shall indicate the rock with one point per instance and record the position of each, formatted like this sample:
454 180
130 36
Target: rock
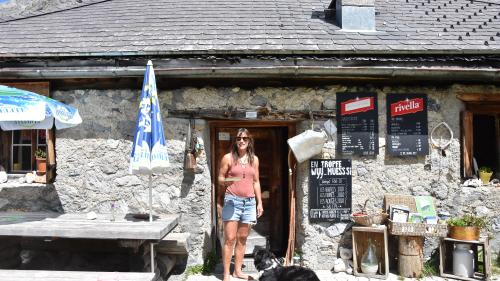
345 253
339 265
3 177
335 230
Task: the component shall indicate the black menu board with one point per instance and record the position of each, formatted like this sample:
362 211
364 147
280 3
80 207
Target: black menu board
357 124
330 190
407 124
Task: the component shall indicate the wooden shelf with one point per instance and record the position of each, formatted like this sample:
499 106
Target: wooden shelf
480 249
378 235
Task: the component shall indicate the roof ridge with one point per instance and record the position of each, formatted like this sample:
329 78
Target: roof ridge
54 10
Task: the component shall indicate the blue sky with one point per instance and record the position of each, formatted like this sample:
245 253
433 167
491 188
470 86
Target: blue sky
2 1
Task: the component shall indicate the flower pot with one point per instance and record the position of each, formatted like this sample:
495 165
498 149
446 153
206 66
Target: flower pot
485 177
468 233
41 165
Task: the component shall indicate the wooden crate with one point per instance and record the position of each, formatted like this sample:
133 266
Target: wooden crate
481 251
378 235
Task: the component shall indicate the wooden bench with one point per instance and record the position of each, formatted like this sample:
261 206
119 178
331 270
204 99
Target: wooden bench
49 275
174 244
78 226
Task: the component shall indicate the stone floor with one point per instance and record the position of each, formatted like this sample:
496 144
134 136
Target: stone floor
324 275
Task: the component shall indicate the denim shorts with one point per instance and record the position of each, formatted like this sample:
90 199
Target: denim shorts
239 209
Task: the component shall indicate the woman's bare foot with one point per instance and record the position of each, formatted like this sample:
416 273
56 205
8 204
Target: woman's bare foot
227 278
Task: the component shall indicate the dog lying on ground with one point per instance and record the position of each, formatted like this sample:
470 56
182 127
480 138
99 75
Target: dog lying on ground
270 270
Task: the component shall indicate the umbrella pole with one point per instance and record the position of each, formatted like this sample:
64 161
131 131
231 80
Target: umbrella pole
150 200
152 253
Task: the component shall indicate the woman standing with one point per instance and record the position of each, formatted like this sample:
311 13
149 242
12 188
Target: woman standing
240 197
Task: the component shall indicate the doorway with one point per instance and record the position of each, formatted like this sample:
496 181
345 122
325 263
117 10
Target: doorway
271 230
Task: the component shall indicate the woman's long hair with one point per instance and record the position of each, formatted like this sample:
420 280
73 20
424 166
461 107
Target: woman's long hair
250 149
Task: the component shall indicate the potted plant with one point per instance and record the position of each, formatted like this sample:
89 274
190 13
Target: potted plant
41 161
485 174
467 227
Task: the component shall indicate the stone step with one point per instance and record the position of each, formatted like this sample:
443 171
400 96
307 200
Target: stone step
254 240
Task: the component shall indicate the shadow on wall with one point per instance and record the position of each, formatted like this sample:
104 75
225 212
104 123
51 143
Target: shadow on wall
30 199
187 182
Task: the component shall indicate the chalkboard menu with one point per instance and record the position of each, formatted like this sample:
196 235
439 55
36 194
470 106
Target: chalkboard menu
330 190
357 124
407 124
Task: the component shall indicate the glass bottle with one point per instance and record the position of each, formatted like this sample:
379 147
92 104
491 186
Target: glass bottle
369 261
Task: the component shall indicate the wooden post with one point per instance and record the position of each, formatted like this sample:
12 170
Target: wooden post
411 256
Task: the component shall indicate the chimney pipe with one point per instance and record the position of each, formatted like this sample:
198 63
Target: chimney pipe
355 15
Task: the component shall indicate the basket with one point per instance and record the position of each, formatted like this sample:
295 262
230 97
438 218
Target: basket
407 228
370 219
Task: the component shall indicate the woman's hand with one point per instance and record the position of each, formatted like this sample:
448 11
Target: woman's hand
260 210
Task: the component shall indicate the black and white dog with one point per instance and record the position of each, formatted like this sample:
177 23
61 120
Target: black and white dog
271 270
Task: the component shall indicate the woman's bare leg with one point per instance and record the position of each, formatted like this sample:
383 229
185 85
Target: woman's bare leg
230 230
241 242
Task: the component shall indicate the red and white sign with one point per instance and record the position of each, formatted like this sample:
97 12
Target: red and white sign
357 105
407 106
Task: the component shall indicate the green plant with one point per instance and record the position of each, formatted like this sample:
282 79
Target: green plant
431 267
469 220
485 169
207 267
193 270
40 153
209 263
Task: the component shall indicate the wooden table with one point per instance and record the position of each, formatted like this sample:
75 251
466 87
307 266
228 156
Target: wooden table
46 224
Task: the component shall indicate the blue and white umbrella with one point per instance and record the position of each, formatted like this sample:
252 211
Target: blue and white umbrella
149 150
24 110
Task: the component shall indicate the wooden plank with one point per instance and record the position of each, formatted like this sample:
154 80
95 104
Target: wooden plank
41 224
467 143
479 97
42 88
49 275
263 114
51 155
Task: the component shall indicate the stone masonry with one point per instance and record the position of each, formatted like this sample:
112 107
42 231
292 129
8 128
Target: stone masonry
93 158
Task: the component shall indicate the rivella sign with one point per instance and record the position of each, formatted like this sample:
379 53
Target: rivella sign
407 133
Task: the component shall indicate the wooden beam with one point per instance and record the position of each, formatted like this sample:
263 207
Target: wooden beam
479 97
262 113
467 143
483 107
41 88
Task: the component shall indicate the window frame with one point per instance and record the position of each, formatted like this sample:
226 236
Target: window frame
475 103
42 88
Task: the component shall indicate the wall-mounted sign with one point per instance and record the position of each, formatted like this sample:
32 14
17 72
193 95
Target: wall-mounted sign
330 190
357 123
251 114
407 132
224 136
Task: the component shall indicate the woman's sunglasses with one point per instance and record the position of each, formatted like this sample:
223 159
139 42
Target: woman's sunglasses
245 139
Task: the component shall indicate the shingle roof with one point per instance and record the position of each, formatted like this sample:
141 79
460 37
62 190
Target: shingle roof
121 27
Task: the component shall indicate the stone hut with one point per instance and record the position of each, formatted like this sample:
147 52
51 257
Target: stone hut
276 68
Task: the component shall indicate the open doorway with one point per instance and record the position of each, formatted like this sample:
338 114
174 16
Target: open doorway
271 230
486 141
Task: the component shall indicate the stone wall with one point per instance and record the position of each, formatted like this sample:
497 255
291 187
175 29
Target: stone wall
93 161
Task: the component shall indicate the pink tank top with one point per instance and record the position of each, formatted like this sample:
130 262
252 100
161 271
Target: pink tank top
244 187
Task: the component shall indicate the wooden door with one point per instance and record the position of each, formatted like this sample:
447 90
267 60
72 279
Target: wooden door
271 148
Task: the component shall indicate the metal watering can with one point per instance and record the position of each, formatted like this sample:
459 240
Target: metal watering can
307 144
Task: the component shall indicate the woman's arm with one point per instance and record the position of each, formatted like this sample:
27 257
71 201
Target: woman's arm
224 166
256 187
